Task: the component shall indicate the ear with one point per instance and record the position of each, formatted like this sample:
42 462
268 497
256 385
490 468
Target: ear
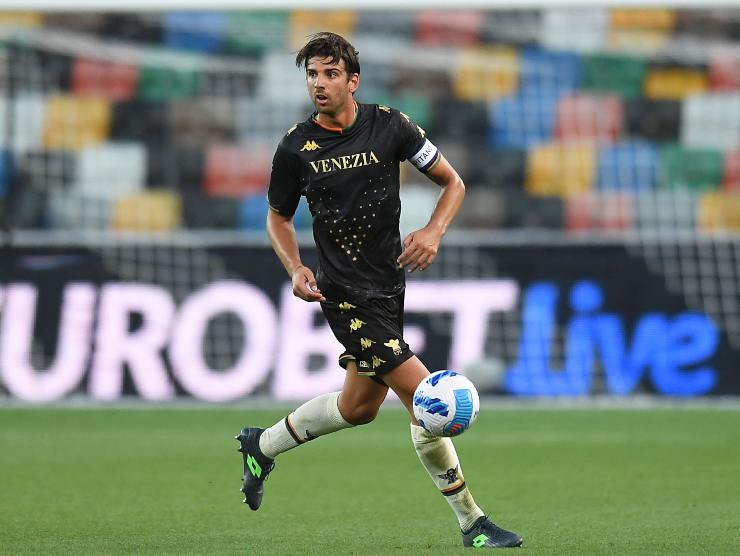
354 82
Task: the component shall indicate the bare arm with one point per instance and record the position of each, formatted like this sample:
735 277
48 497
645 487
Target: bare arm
421 246
281 232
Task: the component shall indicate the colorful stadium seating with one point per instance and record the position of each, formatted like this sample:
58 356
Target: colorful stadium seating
147 211
451 28
113 81
110 170
613 73
560 169
486 73
711 121
237 170
674 83
76 122
585 117
200 31
628 166
693 169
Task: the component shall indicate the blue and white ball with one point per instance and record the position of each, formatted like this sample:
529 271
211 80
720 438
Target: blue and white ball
446 403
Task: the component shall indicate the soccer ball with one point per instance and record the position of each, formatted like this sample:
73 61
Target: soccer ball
446 403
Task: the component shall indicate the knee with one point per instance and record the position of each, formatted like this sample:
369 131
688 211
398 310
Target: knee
360 414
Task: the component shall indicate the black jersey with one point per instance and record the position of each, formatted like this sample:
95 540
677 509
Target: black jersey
350 179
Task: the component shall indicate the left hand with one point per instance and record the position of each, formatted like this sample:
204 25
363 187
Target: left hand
419 249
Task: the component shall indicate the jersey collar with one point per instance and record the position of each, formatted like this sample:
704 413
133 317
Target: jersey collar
337 129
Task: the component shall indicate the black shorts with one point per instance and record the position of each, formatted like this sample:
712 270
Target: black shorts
371 332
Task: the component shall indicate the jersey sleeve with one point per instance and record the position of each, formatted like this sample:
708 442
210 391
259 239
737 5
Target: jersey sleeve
284 192
414 145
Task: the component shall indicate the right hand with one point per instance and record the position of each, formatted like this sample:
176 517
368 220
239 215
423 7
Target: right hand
304 285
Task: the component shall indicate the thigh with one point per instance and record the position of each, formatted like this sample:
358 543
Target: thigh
361 397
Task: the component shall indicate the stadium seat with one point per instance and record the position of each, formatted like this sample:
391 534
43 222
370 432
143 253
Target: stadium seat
640 30
693 169
724 70
115 82
657 120
253 212
731 173
133 27
560 169
614 73
668 211
416 106
484 208
709 24
29 117
450 28
523 120
251 33
72 210
417 205
76 122
673 83
385 23
45 170
303 24
540 212
455 121
711 121
6 169
516 27
558 25
21 19
719 211
83 22
237 170
599 211
549 72
628 166
501 169
160 83
199 31
137 120
110 170
587 117
201 212
147 211
278 85
202 121
642 18
266 120
177 168
486 73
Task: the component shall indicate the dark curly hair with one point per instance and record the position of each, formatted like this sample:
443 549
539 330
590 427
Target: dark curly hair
329 45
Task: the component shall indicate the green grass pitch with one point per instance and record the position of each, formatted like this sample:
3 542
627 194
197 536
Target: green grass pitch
88 481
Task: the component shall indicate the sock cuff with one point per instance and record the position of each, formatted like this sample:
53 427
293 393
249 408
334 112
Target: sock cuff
332 411
419 435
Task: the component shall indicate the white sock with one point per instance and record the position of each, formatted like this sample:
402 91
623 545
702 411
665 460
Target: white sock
314 418
440 459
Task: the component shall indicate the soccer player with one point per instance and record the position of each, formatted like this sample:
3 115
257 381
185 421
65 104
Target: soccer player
345 159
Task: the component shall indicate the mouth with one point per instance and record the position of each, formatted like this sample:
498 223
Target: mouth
321 99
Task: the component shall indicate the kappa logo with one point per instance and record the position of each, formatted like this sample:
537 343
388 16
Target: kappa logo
366 343
364 364
345 306
377 361
310 146
394 345
355 324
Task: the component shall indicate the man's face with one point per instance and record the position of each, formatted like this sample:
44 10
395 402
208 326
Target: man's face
328 84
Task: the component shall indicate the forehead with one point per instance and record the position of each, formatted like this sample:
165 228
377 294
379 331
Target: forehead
319 63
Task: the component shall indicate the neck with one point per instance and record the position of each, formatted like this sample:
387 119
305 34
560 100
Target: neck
341 119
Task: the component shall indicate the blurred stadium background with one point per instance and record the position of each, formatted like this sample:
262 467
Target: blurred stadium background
598 251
